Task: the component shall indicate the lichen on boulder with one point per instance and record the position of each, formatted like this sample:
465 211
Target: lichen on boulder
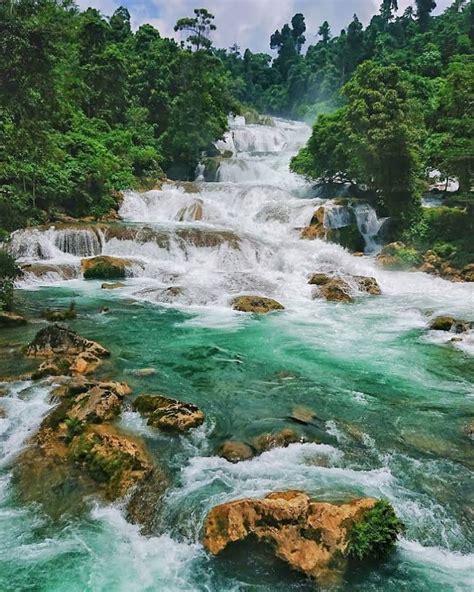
168 414
316 538
256 304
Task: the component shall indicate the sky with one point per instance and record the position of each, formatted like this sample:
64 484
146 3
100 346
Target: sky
249 23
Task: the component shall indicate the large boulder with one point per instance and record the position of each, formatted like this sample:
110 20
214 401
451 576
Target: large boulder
337 289
104 267
315 538
331 288
447 323
168 414
316 228
235 451
66 352
77 452
256 304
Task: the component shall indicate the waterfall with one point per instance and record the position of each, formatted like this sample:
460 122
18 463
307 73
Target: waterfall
337 216
369 226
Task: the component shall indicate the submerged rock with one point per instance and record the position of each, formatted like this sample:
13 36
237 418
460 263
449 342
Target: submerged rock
11 319
235 451
469 430
112 286
168 414
256 304
58 315
302 414
316 538
447 323
279 439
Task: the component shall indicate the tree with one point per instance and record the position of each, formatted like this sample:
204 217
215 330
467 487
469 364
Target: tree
452 147
299 27
327 156
424 8
325 32
199 27
386 9
385 130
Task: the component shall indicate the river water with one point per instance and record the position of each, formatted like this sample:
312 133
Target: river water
391 397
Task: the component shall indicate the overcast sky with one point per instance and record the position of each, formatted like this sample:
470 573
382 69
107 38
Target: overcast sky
248 22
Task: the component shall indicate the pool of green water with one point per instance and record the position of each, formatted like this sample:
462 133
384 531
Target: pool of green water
390 409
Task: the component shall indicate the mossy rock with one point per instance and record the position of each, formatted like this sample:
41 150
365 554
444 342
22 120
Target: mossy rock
104 271
375 534
348 237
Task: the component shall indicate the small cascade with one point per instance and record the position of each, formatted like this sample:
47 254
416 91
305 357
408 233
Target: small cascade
80 242
337 216
369 226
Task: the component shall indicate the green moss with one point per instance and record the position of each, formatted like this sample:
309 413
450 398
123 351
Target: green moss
375 534
101 468
104 271
74 428
348 236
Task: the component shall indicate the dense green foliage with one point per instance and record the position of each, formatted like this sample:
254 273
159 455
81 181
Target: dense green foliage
375 534
406 110
8 273
88 107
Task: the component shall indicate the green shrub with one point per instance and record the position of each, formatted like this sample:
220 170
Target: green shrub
9 271
375 534
104 271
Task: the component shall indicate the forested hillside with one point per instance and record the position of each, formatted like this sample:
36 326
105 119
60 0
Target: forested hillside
89 107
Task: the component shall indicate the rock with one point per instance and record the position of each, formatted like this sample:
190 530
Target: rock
256 304
234 451
282 438
51 368
348 237
70 353
11 319
368 285
104 267
336 290
303 414
40 270
468 272
168 414
315 538
192 212
111 458
77 453
316 228
112 286
143 372
55 316
447 323
100 403
319 279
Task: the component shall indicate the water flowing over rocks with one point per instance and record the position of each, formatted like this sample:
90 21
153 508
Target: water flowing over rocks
77 451
256 304
168 414
312 537
337 289
446 323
